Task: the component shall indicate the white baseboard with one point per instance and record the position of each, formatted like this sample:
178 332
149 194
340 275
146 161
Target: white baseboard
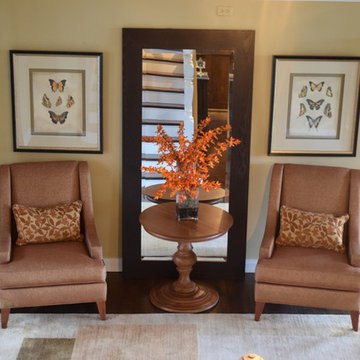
250 265
115 265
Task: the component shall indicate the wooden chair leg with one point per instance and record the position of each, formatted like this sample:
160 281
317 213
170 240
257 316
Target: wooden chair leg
4 318
259 308
355 319
101 305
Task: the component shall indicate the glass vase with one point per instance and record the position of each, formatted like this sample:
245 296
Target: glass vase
187 205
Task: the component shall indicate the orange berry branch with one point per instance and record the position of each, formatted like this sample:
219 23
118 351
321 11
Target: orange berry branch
188 163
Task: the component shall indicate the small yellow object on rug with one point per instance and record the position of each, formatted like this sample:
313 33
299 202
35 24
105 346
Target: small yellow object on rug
251 357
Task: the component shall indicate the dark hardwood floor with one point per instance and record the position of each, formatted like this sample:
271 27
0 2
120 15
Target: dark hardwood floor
131 296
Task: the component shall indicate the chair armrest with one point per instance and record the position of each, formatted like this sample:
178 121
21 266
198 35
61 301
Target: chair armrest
354 219
91 238
268 242
92 241
5 214
5 245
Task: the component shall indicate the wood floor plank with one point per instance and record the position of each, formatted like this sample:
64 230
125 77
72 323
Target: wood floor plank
131 296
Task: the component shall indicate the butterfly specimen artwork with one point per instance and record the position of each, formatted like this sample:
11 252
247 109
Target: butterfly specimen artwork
60 116
303 91
58 101
302 109
61 105
70 102
46 101
317 87
327 110
55 118
57 86
313 122
314 105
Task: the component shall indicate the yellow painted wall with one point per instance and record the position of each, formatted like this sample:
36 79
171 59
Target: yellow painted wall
282 28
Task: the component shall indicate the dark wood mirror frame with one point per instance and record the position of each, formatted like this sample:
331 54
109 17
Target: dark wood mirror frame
241 42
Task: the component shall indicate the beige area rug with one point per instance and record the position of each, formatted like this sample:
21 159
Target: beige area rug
219 336
140 342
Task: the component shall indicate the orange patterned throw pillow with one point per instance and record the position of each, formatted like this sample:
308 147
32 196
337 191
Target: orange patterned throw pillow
306 229
44 225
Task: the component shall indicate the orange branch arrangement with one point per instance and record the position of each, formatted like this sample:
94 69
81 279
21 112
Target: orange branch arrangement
188 162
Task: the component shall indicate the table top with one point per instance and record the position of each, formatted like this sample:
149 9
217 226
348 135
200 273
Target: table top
212 196
160 221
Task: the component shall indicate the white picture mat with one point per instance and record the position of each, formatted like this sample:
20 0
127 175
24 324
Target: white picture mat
284 68
24 139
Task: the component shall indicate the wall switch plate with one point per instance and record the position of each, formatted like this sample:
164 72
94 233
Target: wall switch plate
224 10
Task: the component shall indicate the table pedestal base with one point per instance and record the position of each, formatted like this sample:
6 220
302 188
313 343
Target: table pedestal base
200 299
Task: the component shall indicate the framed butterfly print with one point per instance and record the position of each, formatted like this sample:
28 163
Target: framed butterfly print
314 106
56 101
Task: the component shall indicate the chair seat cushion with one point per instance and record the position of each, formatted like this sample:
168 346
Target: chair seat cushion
308 267
51 264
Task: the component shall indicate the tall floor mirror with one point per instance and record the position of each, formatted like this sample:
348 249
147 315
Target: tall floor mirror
173 75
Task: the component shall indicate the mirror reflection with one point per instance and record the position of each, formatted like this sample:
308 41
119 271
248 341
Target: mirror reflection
184 85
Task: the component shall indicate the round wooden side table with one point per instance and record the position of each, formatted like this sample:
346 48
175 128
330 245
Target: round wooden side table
184 295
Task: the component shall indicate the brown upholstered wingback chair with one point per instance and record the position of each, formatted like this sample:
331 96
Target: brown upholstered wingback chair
308 276
48 273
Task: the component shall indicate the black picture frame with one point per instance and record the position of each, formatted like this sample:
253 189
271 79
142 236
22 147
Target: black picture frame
314 106
57 101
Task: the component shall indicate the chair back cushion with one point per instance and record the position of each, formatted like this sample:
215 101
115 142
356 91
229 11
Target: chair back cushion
320 189
44 184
